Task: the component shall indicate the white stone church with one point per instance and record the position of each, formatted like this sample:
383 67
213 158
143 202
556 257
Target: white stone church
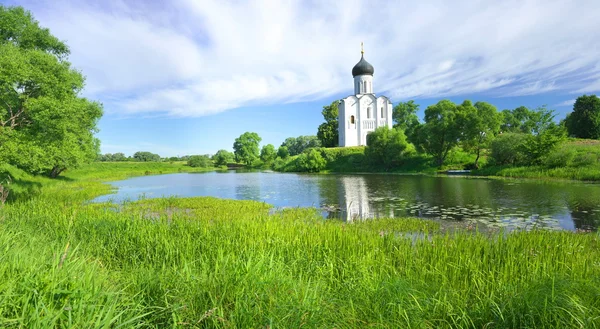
363 112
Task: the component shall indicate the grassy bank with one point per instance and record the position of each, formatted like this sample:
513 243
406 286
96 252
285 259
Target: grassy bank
84 182
572 160
205 262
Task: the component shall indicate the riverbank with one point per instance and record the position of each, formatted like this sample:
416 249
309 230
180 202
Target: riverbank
573 160
205 262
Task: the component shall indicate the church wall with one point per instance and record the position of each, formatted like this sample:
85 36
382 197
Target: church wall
363 84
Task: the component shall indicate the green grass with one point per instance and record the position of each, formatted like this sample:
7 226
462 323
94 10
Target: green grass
575 159
206 262
86 182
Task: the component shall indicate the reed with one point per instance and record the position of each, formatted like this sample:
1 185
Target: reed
206 262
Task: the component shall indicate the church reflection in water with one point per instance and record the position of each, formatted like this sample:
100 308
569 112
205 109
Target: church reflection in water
524 205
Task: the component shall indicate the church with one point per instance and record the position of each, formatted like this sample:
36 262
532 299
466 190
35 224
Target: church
363 112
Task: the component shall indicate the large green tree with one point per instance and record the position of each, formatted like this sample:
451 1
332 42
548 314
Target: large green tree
246 148
45 125
441 131
584 121
328 131
405 117
481 123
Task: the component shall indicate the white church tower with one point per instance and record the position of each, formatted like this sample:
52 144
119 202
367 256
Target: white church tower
363 112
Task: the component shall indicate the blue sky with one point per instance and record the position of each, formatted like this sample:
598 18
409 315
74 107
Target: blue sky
188 77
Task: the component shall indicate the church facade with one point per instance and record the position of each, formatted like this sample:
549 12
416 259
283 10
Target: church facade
363 112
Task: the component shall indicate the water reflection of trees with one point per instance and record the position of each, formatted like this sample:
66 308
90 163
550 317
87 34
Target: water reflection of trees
367 196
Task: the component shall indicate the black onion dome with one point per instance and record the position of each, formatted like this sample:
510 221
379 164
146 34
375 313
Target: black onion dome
362 67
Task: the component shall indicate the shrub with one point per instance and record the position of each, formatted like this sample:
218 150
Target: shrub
283 152
561 157
508 149
585 159
311 161
201 161
387 146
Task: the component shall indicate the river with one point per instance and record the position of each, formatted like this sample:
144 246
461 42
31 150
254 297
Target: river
493 202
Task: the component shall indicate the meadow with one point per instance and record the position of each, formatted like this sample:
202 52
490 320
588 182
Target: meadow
212 263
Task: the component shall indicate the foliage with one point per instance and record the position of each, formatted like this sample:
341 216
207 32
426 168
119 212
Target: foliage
387 146
584 121
200 161
283 152
442 129
222 158
481 123
327 132
544 136
45 125
268 153
145 156
405 117
246 148
508 148
113 157
69 263
311 161
297 145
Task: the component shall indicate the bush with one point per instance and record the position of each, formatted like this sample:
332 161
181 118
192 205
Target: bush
585 159
561 157
283 152
387 147
311 161
200 161
507 148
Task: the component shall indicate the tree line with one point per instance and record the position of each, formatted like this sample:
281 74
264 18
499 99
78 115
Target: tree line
521 136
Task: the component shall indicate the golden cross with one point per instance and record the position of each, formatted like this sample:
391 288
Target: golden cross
362 49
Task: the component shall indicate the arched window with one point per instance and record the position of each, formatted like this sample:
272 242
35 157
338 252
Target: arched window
365 87
368 113
382 115
352 119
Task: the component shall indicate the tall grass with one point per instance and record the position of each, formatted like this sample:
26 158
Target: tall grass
206 262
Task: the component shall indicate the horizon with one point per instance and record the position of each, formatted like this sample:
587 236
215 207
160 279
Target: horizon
187 78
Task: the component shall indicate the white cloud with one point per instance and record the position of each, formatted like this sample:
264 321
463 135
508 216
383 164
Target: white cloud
568 103
194 58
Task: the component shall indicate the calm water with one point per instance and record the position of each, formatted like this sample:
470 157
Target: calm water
508 203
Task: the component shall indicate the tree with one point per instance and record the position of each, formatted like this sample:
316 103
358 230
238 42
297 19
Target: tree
199 161
246 148
584 121
297 145
481 123
119 157
405 117
328 132
146 157
387 146
442 130
544 135
45 126
222 158
509 124
283 152
267 153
